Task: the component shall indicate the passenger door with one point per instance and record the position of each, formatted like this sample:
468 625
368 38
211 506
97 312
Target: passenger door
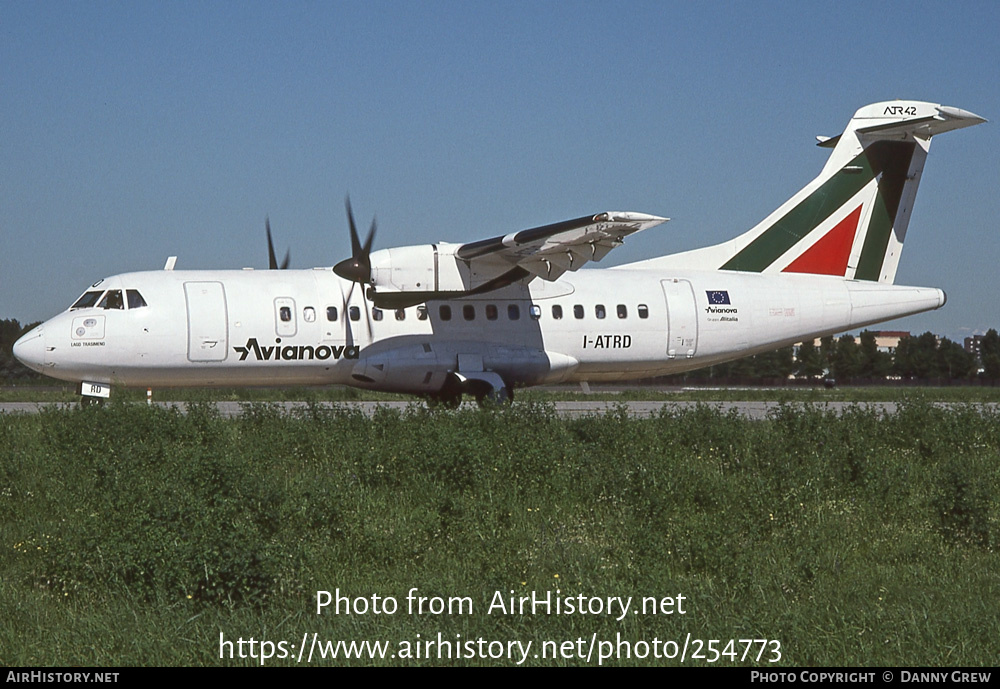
682 318
208 321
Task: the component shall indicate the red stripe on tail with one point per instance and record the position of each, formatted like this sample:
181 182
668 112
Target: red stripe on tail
829 255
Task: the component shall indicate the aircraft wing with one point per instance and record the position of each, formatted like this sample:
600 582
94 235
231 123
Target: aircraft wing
551 250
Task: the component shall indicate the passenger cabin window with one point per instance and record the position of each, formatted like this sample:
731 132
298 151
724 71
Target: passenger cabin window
535 311
556 311
622 311
135 300
445 312
112 300
578 311
331 313
355 312
492 313
400 314
643 311
421 313
513 312
285 313
87 300
309 314
599 310
376 314
469 312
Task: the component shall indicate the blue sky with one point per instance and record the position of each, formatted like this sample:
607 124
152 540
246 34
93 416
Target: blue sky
132 131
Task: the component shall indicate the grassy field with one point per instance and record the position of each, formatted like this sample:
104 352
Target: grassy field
137 536
545 394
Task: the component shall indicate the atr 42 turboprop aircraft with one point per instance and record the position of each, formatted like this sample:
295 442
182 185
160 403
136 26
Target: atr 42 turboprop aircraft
443 320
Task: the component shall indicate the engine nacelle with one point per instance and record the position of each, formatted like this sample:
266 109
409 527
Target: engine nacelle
406 269
412 274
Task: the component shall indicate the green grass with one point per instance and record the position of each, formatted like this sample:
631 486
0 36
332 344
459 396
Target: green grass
135 536
860 394
599 393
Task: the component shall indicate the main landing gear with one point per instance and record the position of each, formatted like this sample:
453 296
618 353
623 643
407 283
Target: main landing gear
444 399
495 397
489 391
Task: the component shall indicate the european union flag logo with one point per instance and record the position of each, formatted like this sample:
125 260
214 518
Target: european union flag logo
718 297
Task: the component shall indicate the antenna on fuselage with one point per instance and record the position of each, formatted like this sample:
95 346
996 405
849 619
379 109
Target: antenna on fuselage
171 262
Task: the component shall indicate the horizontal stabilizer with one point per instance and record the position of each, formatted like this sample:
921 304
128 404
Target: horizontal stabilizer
944 120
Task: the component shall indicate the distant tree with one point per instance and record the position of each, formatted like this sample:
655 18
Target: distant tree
827 351
745 368
809 364
846 359
10 368
777 364
10 330
953 361
873 363
901 359
917 357
989 353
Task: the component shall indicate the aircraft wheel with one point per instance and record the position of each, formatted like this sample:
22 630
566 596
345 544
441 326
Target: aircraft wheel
495 397
446 399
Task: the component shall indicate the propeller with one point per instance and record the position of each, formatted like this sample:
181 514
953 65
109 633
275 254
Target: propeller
272 262
357 268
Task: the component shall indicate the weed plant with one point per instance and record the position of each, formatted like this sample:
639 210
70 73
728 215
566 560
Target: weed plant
132 535
957 394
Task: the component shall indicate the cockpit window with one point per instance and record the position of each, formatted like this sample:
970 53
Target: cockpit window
112 300
87 300
135 299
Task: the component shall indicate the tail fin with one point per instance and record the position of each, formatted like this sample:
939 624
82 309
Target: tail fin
851 220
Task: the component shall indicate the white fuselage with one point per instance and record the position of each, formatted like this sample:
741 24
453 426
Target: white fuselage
291 327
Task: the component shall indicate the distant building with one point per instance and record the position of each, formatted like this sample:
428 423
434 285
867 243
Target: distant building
885 340
974 345
888 340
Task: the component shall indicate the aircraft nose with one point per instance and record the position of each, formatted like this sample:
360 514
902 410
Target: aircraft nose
30 349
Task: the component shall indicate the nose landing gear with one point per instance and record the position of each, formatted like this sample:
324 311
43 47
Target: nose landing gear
93 393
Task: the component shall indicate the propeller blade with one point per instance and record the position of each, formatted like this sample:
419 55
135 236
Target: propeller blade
349 332
272 261
369 240
368 317
355 242
346 315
